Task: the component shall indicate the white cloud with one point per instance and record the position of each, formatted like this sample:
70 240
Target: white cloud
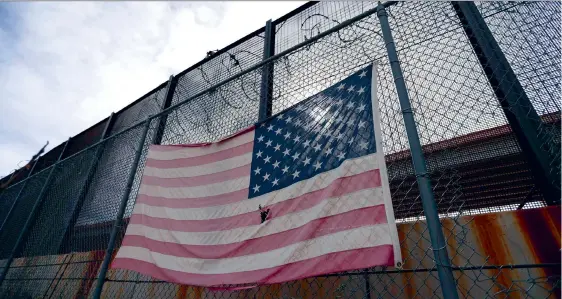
68 65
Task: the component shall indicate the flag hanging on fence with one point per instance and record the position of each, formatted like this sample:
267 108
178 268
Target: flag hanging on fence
301 194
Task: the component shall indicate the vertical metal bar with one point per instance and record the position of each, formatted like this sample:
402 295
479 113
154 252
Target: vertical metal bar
446 279
18 197
519 111
32 215
266 93
367 286
87 183
170 89
119 218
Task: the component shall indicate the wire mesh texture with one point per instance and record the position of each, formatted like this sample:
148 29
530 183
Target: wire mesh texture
502 239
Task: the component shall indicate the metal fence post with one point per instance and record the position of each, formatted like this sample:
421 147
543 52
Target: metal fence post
119 218
31 217
266 93
170 89
446 279
17 197
84 190
519 111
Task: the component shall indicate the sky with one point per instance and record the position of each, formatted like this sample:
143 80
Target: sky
66 66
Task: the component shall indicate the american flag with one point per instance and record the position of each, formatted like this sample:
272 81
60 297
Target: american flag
303 193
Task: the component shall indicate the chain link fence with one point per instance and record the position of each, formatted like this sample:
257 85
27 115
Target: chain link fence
483 82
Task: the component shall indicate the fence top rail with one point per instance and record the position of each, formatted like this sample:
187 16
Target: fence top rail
228 80
295 11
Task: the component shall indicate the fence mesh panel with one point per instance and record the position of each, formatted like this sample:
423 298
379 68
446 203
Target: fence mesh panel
455 110
221 111
7 198
20 212
85 139
479 174
148 105
528 34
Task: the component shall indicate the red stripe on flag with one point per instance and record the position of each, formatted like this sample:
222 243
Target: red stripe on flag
339 187
316 228
329 263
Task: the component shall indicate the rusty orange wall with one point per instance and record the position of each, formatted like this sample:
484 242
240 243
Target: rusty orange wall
518 237
507 238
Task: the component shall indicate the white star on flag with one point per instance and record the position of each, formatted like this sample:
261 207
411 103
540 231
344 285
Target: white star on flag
361 90
361 108
340 136
317 165
296 174
296 156
363 145
361 124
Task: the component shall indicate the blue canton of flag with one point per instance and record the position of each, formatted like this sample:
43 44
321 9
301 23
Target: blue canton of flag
314 136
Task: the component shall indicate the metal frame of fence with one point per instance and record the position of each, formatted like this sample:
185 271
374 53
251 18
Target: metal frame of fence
468 127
